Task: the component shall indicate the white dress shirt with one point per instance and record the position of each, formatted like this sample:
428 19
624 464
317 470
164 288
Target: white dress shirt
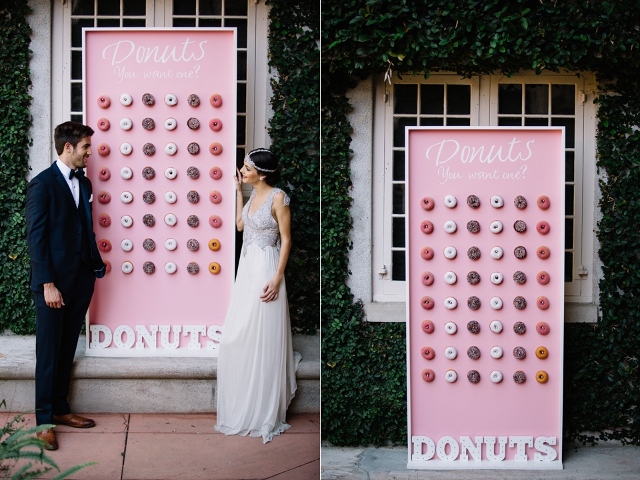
73 183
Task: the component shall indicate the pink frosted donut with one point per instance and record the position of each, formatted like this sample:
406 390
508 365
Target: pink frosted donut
543 252
427 203
428 326
104 124
543 328
104 196
427 353
104 245
427 303
215 172
104 219
104 150
428 375
104 101
215 221
543 278
215 124
104 174
215 196
107 265
542 302
543 202
427 253
216 100
215 148
426 227
543 227
427 278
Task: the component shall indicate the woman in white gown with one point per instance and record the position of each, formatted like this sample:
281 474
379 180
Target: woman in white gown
256 373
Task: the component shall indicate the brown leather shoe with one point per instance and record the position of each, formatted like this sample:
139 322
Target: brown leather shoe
75 421
49 437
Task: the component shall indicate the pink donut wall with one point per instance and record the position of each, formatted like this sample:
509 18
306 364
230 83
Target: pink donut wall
485 162
179 63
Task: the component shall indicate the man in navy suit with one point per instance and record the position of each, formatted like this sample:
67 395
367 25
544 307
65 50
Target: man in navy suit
65 262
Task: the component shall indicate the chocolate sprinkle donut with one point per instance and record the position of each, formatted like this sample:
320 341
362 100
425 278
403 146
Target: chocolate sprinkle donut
520 303
148 173
519 377
148 124
149 245
473 352
193 268
520 252
193 148
519 226
193 123
149 197
473 303
473 277
473 226
520 202
520 328
148 149
193 196
193 100
193 172
473 326
149 220
473 201
519 277
148 267
473 376
193 221
519 353
473 253
193 244
148 100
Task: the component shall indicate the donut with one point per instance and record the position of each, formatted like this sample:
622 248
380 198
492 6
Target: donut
473 277
542 352
542 376
543 202
428 326
428 375
520 226
148 197
193 100
450 201
216 100
193 123
193 244
149 220
473 201
171 148
170 197
215 221
473 226
496 278
543 227
543 328
170 173
148 268
519 277
149 149
170 123
193 268
215 172
451 353
473 302
126 99
473 253
543 252
496 376
427 278
542 302
148 124
126 197
149 245
148 100
496 201
496 253
104 196
450 303
496 326
215 124
193 221
520 252
126 245
520 328
449 252
171 244
170 99
427 203
193 196
104 220
104 124
496 226
450 226
107 265
473 326
193 172
519 353
170 268
126 173
193 148
104 101
450 376
496 303
148 172
427 303
126 221
473 352
104 245
104 174
426 253
170 219
496 352
215 148
214 244
427 353
520 303
104 150
543 278
127 267
426 227
520 202
214 267
519 377
126 124
450 278
126 148
450 328
473 376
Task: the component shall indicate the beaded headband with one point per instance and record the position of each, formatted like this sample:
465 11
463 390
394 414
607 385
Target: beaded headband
250 162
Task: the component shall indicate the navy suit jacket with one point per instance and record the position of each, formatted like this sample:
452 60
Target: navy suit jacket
54 231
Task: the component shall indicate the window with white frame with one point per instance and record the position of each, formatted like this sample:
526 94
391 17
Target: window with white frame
493 100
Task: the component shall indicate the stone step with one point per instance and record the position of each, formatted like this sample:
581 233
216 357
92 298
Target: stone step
142 384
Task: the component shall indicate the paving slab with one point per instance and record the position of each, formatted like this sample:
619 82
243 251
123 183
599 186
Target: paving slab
305 472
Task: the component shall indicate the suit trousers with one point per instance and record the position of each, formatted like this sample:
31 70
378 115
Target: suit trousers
57 332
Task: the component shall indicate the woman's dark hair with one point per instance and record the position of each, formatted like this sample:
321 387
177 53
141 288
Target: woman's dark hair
265 160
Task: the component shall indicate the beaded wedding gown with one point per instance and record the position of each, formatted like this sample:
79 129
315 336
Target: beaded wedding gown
256 370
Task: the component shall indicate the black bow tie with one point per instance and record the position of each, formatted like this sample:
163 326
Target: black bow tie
76 173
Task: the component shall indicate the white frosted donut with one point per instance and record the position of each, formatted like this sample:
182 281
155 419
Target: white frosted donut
496 351
450 303
170 219
496 376
496 226
126 197
450 278
126 173
496 303
497 252
450 376
170 173
127 267
170 267
171 244
126 244
450 226
170 197
496 326
450 201
126 148
450 328
126 221
170 99
171 148
125 99
496 201
126 124
450 252
496 278
170 123
450 352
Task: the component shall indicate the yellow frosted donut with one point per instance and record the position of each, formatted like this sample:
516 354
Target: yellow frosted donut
542 376
214 244
214 267
542 352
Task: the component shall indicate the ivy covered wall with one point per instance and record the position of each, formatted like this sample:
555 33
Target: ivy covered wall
363 371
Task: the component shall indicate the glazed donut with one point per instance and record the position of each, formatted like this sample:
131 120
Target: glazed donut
170 99
148 124
170 244
126 124
496 226
215 221
543 227
496 201
520 226
520 328
104 124
451 376
520 303
171 148
543 277
519 377
193 100
473 352
427 278
496 303
104 101
520 202
127 267
450 303
427 353
126 173
473 277
520 252
543 202
171 173
215 172
449 252
450 278
104 174
214 244
519 277
450 201
542 376
170 268
216 100
193 148
428 326
215 148
149 245
496 326
451 353
170 219
170 123
543 252
126 148
126 245
428 375
148 100
104 197
473 253
519 353
473 376
148 172
104 220
450 226
126 221
473 201
542 302
193 123
193 221
149 268
149 149
542 352
193 196
427 203
496 352
107 265
193 172
543 328
496 278
496 253
126 197
427 303
473 226
170 197
193 268
496 376
473 326
193 245
426 227
126 99
149 220
450 328
148 197
215 124
214 267
426 253
104 245
104 150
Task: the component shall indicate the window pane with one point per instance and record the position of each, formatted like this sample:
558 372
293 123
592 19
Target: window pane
568 233
569 166
569 131
240 153
235 7
242 97
184 7
431 122
398 267
536 122
76 97
211 22
458 99
398 164
108 7
108 22
81 7
210 7
398 129
563 99
241 26
458 122
77 118
134 22
76 65
432 99
184 22
241 133
398 200
568 266
398 232
509 122
242 65
134 7
536 99
568 199
76 30
405 99
509 99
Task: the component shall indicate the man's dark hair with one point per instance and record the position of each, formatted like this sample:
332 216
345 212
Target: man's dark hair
72 132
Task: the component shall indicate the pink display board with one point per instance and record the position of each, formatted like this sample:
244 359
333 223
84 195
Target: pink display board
485 229
163 107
